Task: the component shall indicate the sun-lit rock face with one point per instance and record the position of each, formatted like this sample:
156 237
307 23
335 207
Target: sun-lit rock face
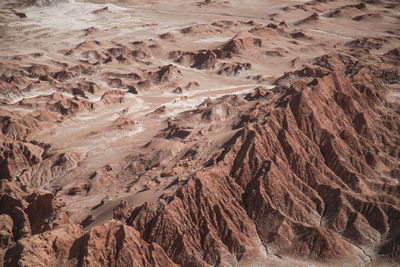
186 133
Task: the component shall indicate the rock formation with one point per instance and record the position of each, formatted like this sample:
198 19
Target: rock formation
239 140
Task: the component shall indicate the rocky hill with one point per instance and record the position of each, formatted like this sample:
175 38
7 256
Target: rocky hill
264 147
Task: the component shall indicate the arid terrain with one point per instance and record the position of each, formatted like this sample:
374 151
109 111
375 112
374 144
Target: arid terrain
189 133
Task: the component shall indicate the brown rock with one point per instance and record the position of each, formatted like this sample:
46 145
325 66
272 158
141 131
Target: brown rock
313 17
6 231
50 248
242 42
88 221
166 73
113 97
16 156
72 106
144 85
116 244
304 177
205 60
233 68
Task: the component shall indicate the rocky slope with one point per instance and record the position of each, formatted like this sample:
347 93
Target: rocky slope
311 174
122 152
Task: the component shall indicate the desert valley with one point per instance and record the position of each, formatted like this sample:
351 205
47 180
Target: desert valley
189 133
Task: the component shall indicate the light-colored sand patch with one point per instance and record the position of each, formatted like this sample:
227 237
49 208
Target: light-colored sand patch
330 33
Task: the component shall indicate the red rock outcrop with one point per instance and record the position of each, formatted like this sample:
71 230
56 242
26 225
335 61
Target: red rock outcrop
31 213
51 248
59 103
38 206
203 59
305 172
313 17
12 80
233 68
303 177
17 156
6 228
201 29
242 42
116 244
113 97
72 72
166 73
